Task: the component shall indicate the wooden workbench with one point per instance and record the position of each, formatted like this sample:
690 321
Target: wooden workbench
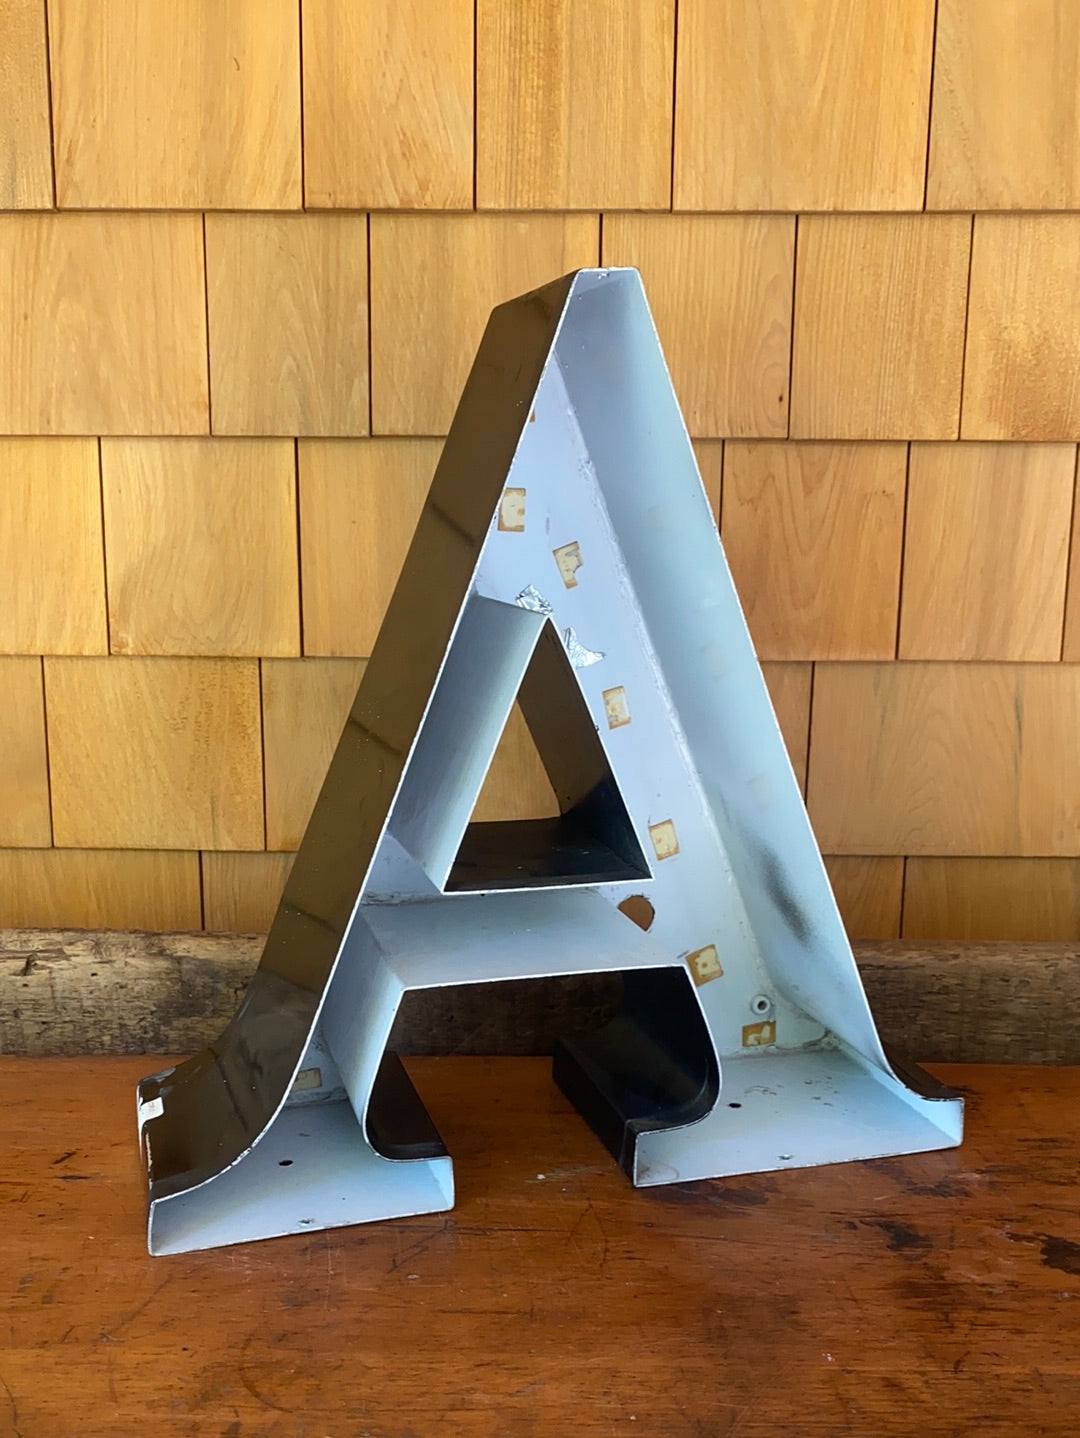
932 1295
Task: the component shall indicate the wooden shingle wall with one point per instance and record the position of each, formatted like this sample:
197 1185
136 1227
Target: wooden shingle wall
246 252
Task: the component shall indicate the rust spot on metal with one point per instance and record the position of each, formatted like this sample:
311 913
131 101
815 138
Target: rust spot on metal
638 910
569 560
512 511
616 707
704 964
759 1036
665 841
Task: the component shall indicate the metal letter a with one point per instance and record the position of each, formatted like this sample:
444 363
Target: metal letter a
566 556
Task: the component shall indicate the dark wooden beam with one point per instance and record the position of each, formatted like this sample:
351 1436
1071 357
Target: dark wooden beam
117 993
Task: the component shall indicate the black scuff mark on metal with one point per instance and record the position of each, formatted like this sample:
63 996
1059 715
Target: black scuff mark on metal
789 907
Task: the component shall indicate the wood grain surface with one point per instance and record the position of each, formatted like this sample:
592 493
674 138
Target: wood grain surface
201 538
100 888
287 308
869 892
1022 360
283 226
94 992
179 106
789 690
51 548
305 703
813 534
574 104
517 785
388 104
1004 133
1070 644
931 1294
155 753
241 892
979 899
879 326
719 287
945 759
975 510
443 275
24 764
25 137
815 106
77 355
359 503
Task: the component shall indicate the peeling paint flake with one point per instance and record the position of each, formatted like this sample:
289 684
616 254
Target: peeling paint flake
512 511
759 1036
665 841
704 964
148 1109
616 708
568 558
638 910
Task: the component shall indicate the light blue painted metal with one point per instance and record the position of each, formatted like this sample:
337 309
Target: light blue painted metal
567 544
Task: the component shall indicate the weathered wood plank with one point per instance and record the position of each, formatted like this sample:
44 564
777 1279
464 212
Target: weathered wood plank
931 1294
90 992
71 992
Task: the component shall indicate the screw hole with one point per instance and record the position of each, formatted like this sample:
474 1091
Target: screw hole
784 1157
284 1162
761 1005
734 1105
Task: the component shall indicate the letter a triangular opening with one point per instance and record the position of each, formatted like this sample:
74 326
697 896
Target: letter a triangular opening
567 555
502 652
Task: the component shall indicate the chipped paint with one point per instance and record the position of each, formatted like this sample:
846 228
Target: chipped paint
704 964
639 911
616 708
306 1080
759 1036
580 655
148 1109
568 558
512 511
665 841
